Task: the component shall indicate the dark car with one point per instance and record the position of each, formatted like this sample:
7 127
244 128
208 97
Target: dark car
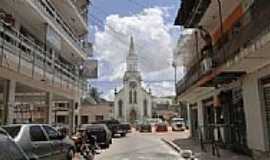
145 127
127 126
115 127
9 150
161 127
101 132
41 141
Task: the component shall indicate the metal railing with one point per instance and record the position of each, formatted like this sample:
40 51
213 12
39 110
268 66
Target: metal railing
51 13
254 24
23 55
82 11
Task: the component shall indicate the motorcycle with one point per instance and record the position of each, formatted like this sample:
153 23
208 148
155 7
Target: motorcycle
88 148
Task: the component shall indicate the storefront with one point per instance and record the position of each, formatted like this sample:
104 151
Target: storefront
232 110
266 107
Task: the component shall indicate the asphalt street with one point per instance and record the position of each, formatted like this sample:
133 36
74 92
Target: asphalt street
140 146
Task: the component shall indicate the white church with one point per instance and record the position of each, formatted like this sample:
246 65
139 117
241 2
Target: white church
132 102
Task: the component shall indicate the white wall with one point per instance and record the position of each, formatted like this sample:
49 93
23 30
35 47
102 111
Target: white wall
253 103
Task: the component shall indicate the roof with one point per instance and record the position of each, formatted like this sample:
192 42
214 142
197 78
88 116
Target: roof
191 12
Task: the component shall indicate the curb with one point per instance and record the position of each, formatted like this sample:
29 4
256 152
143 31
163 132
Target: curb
172 145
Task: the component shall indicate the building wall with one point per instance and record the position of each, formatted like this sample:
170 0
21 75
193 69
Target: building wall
95 110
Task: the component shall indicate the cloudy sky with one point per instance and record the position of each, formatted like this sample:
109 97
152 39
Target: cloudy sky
150 22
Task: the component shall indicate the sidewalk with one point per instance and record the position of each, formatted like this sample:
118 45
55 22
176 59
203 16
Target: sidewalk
188 144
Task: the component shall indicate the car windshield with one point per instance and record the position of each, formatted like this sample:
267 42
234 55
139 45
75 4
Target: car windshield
13 131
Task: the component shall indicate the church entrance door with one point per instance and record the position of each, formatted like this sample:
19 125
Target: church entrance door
133 116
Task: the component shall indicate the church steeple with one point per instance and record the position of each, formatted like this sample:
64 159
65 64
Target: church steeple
132 59
131 47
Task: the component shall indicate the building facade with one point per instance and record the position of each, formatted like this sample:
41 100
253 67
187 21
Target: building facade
43 44
132 102
226 84
95 112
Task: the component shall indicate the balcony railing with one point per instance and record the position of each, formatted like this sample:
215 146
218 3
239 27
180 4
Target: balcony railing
55 17
83 11
20 54
247 30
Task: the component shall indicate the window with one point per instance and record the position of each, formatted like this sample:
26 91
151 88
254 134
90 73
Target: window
13 131
145 110
130 97
84 119
36 134
53 134
135 97
120 108
99 117
61 119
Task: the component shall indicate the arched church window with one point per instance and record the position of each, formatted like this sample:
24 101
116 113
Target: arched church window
145 109
135 97
130 97
120 108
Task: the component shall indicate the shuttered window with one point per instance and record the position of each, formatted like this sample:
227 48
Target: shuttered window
266 94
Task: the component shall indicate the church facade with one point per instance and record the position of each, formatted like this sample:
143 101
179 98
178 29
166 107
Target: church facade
132 102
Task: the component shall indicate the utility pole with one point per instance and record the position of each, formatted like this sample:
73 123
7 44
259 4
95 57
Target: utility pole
175 80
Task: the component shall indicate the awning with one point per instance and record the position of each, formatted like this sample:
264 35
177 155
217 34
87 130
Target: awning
191 12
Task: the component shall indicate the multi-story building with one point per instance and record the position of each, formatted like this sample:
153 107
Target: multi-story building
43 46
226 84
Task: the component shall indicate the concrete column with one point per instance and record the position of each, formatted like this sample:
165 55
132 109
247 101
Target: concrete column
200 117
9 91
254 113
71 116
189 117
49 104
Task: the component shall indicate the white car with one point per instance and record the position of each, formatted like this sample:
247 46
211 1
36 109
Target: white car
178 124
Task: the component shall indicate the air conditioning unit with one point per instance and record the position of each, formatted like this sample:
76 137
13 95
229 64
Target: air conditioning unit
206 64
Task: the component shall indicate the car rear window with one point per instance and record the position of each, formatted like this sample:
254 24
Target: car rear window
13 131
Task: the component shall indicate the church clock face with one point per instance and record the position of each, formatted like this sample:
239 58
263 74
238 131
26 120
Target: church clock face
132 84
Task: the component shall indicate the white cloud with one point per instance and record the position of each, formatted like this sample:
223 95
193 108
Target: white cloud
153 43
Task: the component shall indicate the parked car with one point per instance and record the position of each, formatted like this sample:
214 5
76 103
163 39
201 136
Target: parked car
115 127
178 124
9 150
161 127
127 126
41 142
153 121
145 127
102 133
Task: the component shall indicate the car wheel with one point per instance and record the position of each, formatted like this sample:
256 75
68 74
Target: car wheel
70 154
107 145
110 141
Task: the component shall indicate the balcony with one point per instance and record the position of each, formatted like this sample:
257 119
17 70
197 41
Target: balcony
24 56
245 32
57 20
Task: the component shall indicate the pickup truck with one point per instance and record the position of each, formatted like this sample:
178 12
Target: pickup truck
115 126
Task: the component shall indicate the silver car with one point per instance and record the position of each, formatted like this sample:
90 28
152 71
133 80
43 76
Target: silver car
41 142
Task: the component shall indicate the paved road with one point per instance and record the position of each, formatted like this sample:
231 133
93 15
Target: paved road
140 146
